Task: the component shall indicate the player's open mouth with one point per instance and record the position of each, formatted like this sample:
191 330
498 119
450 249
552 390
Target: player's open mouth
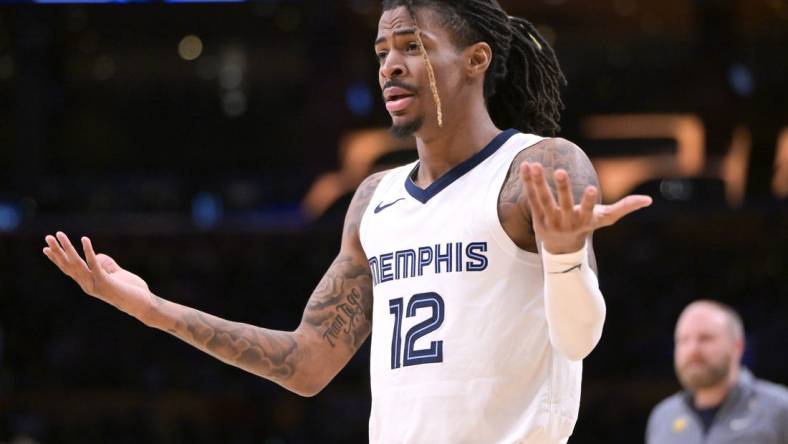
397 98
398 103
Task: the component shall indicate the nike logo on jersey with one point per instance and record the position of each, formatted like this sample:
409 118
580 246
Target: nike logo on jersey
382 207
578 267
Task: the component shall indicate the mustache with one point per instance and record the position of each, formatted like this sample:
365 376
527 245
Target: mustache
399 84
700 361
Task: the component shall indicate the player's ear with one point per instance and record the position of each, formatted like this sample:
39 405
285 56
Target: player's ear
478 58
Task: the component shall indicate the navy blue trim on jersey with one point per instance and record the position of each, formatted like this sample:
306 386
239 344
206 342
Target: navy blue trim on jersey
423 195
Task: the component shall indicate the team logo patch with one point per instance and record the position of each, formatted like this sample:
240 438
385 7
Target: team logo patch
679 424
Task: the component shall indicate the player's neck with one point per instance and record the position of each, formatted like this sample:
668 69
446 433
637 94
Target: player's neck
460 138
711 397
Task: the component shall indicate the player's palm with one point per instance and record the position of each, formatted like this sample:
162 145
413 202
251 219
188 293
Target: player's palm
116 279
563 226
99 275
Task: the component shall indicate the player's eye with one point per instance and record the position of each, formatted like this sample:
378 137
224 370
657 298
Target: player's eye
381 56
413 46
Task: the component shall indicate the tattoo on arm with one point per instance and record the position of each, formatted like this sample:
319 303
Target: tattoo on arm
567 156
268 353
341 306
345 320
358 205
552 154
339 310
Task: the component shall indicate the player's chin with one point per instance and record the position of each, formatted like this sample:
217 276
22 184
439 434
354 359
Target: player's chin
402 120
404 127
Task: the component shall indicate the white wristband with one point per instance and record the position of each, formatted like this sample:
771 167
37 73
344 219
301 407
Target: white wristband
563 263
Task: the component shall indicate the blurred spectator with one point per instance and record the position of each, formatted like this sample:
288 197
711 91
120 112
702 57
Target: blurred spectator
722 402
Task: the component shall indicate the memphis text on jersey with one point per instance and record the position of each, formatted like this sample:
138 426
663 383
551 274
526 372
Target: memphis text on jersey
451 257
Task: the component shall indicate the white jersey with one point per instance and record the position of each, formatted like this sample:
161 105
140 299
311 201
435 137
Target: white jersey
460 346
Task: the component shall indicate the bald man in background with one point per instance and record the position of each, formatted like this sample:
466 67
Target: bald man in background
721 402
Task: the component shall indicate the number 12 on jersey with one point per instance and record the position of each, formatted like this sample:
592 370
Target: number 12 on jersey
412 356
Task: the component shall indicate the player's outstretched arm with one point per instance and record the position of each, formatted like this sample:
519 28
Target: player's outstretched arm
335 323
555 191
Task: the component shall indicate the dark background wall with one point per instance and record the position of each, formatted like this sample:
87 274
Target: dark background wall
105 130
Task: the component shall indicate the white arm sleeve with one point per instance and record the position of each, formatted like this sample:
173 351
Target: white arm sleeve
574 305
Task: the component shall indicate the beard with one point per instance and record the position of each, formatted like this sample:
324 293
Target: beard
407 129
704 375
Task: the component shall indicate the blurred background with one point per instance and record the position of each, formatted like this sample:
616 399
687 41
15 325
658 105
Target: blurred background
212 149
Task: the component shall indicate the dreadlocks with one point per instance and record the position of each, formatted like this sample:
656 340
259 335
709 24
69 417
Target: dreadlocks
522 87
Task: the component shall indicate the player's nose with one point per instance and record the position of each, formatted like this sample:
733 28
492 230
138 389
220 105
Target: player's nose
392 67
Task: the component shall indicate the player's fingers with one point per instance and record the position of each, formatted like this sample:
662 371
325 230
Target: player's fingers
56 251
50 254
564 186
550 208
537 212
56 254
90 256
72 256
65 243
611 214
587 204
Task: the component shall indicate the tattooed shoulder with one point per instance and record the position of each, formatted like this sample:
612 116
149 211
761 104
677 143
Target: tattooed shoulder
360 201
513 211
552 154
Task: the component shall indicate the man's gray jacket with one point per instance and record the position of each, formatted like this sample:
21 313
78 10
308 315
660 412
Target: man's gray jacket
754 412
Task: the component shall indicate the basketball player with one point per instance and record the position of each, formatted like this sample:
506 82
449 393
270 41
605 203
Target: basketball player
474 264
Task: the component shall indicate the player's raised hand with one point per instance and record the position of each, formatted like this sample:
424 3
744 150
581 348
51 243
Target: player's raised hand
564 225
99 275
